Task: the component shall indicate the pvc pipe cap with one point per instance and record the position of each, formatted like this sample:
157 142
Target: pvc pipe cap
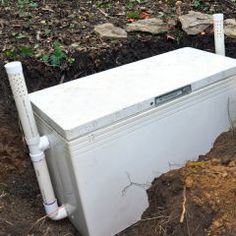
14 67
218 17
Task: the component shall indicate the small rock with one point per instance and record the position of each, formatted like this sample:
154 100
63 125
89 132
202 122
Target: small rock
108 30
230 28
232 163
194 23
215 161
149 11
75 45
225 160
224 174
152 25
216 224
72 16
178 6
189 182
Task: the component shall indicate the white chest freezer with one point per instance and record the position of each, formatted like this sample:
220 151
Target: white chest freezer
113 132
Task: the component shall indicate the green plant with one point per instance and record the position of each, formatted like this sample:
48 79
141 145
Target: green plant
233 1
200 4
197 3
45 58
57 56
26 3
11 53
24 51
133 14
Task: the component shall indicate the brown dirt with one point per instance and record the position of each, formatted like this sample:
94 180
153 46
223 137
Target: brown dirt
72 23
209 186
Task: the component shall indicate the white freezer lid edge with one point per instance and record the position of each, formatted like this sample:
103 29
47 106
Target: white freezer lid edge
227 68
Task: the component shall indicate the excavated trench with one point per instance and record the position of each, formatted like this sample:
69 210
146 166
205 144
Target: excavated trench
208 186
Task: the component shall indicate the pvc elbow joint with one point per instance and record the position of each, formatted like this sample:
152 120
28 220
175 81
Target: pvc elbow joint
37 147
54 212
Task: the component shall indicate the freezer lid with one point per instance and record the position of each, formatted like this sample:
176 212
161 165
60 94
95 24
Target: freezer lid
87 104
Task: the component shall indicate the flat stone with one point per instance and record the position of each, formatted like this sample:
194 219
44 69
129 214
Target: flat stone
108 30
230 28
152 25
194 23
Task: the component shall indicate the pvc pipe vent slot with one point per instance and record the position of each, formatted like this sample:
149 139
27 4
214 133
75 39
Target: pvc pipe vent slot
18 85
16 78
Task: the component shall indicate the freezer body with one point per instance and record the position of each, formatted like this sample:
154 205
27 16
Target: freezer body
102 177
112 133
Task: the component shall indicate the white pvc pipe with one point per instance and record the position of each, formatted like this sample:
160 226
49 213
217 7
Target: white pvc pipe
219 34
37 145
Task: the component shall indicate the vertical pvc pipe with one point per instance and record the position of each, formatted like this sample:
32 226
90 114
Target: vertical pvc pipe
219 34
36 144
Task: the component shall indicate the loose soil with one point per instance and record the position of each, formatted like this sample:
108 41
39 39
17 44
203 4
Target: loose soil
208 185
205 188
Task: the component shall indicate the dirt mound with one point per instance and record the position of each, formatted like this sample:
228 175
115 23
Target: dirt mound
198 199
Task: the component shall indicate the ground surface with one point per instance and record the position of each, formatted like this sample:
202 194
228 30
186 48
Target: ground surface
28 32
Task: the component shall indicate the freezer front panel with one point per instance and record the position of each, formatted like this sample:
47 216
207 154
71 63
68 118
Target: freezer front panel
114 166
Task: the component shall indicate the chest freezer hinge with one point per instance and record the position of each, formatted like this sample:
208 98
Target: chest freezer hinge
173 95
